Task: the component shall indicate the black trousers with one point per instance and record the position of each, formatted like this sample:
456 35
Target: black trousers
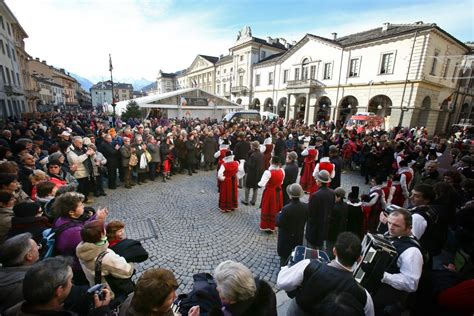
84 186
112 176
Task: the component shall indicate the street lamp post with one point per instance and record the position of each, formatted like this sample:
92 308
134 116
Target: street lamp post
112 82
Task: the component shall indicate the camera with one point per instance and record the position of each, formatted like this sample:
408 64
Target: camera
390 208
97 289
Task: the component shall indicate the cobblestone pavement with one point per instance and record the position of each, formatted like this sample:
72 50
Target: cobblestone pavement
181 227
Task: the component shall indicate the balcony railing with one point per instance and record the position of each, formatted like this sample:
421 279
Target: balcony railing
305 83
239 89
32 94
12 90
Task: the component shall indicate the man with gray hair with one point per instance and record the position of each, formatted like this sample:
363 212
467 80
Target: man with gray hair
17 255
431 174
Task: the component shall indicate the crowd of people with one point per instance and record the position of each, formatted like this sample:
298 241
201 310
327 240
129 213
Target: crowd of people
420 199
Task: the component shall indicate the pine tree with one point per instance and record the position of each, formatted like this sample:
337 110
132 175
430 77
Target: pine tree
133 111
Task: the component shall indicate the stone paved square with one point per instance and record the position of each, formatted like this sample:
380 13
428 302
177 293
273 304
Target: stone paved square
181 227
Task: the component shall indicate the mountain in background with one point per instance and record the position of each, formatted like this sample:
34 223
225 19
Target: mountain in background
138 84
150 87
86 84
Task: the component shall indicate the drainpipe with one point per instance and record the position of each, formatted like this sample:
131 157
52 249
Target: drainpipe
273 91
338 86
402 112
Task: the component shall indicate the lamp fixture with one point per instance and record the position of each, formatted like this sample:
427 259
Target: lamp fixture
379 107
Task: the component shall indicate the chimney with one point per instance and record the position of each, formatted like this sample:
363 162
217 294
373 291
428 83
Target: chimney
44 62
293 43
334 36
385 26
37 59
282 41
287 45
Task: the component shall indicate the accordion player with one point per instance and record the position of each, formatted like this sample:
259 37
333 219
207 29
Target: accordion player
377 255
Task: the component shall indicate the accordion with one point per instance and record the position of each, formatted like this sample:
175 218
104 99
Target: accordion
378 254
302 252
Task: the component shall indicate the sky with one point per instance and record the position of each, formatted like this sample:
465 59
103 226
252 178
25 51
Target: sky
145 36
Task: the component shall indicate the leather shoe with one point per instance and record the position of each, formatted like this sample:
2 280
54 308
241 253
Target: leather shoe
252 203
244 203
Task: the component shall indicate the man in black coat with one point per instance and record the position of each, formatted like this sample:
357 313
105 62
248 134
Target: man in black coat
280 148
241 151
336 160
291 174
320 206
254 171
290 222
112 154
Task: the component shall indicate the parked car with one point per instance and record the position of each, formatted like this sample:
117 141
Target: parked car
236 117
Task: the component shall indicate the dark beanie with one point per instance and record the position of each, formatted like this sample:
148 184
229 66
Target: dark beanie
26 209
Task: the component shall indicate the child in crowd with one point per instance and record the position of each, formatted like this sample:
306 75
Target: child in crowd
115 232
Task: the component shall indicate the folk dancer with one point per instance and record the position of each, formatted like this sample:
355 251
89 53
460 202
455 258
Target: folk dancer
220 155
307 181
272 197
402 181
228 174
267 151
166 151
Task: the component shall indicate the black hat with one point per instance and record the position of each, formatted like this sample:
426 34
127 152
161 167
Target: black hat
354 194
312 141
225 142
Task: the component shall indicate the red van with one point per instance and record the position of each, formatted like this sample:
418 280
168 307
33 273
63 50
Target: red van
365 118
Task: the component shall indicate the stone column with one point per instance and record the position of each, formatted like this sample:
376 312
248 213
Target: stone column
306 110
287 110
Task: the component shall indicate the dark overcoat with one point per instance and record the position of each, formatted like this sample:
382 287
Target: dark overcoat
320 206
291 174
290 222
254 169
209 148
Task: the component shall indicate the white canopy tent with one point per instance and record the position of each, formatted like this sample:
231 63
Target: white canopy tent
191 102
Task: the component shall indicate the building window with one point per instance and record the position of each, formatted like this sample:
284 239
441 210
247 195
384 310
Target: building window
218 72
435 63
386 66
3 47
13 54
455 72
224 88
285 76
18 79
270 78
241 80
327 70
218 89
241 57
9 80
225 70
263 54
3 74
8 29
1 22
312 72
354 67
304 67
257 80
8 51
231 69
446 68
297 74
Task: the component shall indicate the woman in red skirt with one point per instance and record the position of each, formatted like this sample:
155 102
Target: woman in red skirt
228 174
307 181
272 198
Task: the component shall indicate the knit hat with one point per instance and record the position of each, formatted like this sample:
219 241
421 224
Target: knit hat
26 209
255 145
55 156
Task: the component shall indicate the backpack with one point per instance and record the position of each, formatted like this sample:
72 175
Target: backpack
204 294
133 160
49 238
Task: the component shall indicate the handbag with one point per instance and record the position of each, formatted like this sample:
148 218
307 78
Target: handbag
133 160
148 156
